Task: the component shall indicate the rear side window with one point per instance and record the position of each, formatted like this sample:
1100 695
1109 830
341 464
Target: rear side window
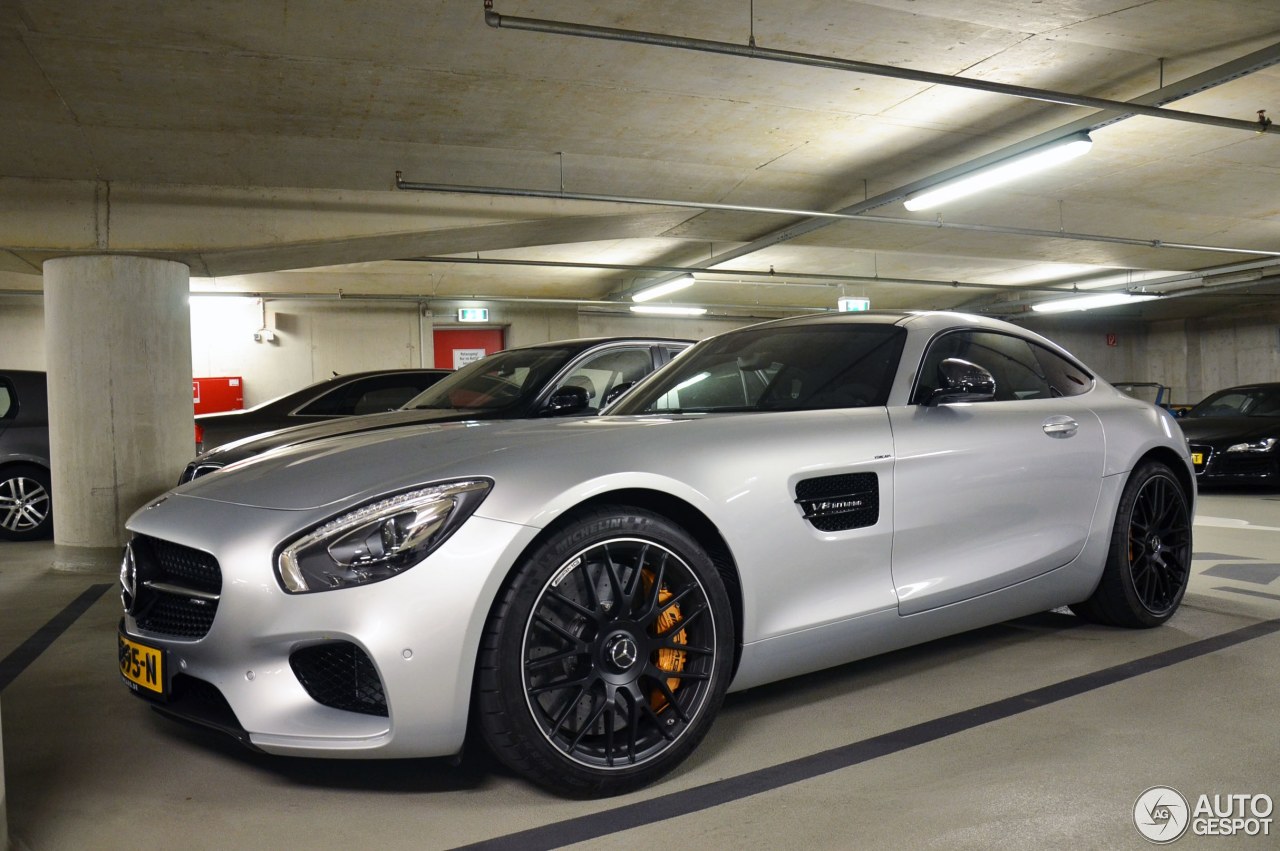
369 395
8 402
1021 369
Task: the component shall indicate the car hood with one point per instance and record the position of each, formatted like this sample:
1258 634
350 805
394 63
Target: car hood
1229 429
247 447
364 464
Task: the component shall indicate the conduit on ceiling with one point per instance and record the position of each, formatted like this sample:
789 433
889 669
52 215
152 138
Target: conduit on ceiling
752 51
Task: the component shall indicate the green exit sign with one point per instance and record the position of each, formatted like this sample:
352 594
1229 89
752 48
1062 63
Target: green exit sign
473 314
849 304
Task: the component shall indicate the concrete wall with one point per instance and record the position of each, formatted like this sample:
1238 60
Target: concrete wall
315 338
22 332
1194 357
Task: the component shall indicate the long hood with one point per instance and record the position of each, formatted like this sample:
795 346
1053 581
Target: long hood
1229 429
238 450
382 459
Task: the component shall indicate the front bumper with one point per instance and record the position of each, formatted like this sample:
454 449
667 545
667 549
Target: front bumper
419 632
1240 467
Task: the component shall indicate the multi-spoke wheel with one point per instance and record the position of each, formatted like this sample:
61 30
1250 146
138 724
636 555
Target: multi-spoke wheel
607 655
26 511
1150 558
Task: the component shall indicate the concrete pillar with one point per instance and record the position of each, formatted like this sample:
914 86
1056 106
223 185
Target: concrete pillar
4 810
118 352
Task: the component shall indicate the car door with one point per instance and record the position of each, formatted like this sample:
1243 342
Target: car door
991 493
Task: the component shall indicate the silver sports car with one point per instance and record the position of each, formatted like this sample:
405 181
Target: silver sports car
583 592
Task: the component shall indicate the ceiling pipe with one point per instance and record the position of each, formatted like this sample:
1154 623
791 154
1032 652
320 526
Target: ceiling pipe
938 223
1205 287
752 51
770 277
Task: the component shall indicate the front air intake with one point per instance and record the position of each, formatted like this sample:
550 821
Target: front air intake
340 675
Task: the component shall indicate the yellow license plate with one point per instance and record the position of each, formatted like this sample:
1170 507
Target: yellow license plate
141 666
1197 458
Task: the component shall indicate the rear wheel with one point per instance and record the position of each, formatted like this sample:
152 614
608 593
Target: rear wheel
26 508
606 656
1150 558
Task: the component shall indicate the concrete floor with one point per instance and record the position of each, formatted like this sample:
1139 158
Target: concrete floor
1005 737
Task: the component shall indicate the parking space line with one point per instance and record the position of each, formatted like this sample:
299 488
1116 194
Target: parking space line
1248 591
685 802
26 653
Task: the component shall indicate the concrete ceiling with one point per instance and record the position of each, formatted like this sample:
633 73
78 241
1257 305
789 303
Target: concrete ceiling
259 142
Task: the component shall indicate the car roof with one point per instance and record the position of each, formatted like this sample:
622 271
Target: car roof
1257 385
579 344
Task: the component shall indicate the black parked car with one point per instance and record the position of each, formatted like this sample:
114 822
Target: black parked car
1235 435
341 396
26 504
564 378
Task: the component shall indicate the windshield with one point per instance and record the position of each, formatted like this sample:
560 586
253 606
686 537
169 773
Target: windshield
501 380
1240 402
776 368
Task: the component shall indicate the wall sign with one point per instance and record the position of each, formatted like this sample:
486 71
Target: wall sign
462 357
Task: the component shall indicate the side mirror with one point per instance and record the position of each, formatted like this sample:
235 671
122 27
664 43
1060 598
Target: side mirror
617 392
962 381
569 399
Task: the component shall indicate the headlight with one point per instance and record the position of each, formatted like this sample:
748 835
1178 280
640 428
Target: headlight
1256 446
379 540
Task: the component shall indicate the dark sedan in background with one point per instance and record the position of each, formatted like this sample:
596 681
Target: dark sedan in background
1235 435
26 505
341 396
563 378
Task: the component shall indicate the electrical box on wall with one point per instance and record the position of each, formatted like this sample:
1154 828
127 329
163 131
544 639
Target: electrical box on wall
221 393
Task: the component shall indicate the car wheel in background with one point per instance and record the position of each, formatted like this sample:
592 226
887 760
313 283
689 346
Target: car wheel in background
606 655
1150 559
26 509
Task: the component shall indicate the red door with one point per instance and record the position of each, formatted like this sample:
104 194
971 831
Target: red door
457 347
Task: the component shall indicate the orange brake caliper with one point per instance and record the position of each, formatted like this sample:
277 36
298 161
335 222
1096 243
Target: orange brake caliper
669 659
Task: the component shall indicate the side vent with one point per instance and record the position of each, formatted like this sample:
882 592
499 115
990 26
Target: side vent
840 503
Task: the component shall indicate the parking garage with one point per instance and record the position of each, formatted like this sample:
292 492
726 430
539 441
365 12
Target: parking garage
284 195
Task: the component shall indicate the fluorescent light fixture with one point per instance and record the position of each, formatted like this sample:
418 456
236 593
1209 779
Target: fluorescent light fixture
663 310
1000 173
664 289
1089 302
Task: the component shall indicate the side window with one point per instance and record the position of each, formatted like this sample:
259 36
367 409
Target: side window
1065 378
364 396
8 405
1015 364
600 373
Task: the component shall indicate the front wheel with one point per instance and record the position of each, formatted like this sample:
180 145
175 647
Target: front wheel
606 656
1149 563
26 508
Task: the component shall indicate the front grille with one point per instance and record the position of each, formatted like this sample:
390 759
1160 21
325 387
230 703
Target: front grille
340 675
840 503
190 581
1244 464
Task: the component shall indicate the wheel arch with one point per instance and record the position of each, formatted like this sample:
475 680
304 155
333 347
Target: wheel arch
682 513
1177 464
24 461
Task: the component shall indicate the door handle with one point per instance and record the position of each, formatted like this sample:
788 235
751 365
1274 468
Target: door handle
1060 426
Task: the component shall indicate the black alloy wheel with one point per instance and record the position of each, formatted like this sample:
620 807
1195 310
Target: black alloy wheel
606 659
26 508
1149 563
